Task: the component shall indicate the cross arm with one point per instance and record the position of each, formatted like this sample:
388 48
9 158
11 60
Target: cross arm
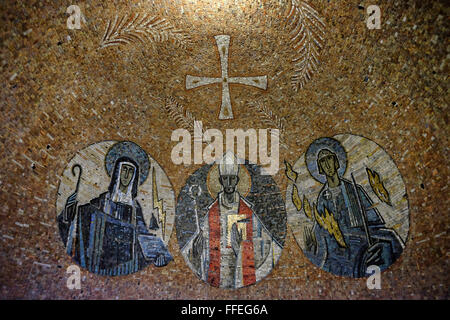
195 82
258 82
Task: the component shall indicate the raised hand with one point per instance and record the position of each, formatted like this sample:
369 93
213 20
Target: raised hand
310 239
236 238
374 255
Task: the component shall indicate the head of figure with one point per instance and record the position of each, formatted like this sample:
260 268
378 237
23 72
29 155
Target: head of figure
327 163
229 183
228 173
125 176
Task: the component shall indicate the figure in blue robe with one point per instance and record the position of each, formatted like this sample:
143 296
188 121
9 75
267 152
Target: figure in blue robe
108 235
339 197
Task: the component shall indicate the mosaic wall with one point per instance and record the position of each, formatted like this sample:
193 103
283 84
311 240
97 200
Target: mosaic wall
117 121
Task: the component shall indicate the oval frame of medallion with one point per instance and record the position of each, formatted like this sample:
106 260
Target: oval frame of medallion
271 219
307 185
97 176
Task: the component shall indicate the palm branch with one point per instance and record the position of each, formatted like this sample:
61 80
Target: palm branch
137 28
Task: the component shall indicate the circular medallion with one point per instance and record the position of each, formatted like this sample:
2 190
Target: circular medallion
231 224
347 205
116 209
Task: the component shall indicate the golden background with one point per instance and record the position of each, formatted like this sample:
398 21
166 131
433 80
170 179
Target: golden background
61 92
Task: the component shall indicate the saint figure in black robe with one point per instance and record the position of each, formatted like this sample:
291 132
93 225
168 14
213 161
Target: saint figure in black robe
108 235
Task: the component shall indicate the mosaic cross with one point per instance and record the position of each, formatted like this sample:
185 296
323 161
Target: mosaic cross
226 112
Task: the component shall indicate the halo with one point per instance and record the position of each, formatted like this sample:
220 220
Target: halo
131 150
214 187
313 150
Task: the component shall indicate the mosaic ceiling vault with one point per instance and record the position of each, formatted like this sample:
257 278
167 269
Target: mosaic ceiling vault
279 149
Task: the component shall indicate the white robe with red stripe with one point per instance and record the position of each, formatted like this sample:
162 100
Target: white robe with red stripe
220 266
